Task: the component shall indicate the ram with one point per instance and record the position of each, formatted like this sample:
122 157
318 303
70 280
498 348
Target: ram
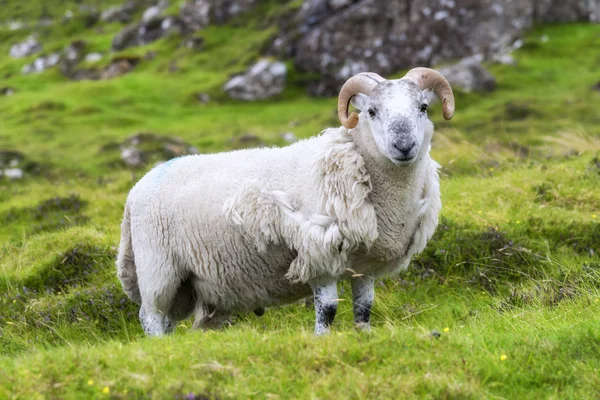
211 235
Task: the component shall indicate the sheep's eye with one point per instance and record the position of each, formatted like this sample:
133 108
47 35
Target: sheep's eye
423 108
372 112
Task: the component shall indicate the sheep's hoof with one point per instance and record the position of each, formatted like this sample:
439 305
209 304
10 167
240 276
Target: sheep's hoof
362 326
259 312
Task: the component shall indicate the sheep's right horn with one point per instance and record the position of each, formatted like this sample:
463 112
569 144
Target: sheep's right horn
363 83
428 78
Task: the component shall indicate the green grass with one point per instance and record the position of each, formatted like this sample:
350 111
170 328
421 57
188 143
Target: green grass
513 269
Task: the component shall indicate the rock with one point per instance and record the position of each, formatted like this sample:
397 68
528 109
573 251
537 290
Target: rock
26 48
196 14
264 79
147 148
203 97
119 66
7 91
594 87
13 173
15 25
194 43
469 75
122 13
289 137
41 64
146 32
14 165
435 333
154 11
335 39
93 57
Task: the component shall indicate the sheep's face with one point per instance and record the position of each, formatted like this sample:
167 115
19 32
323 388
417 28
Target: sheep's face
396 115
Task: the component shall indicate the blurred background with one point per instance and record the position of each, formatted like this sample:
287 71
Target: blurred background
95 93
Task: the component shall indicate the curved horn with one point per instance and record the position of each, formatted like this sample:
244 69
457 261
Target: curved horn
428 78
363 83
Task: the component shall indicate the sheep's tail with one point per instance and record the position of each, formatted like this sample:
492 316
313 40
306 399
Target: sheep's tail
126 261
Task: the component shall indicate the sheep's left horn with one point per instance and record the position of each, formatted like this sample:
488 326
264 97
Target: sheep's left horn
363 83
428 78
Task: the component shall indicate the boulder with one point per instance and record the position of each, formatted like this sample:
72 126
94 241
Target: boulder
28 47
469 75
264 79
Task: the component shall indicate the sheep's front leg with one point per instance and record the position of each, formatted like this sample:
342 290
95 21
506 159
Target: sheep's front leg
325 306
363 294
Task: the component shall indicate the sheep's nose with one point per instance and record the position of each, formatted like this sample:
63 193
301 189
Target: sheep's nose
405 148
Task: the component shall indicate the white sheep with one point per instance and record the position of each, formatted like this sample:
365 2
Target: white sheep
239 231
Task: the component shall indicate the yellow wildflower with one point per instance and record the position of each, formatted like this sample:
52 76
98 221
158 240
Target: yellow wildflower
90 382
503 357
446 329
106 390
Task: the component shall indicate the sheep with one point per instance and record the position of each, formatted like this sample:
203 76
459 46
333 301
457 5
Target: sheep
212 235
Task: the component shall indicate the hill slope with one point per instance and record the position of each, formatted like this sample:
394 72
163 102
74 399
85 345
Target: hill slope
503 303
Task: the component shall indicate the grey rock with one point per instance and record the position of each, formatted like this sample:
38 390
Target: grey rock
289 137
41 64
14 173
7 91
469 75
28 47
122 13
203 97
147 148
196 14
93 57
264 79
146 32
119 66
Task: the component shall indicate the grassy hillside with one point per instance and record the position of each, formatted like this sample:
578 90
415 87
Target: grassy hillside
504 302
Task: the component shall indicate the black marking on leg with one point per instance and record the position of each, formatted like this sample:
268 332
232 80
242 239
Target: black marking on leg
362 313
327 314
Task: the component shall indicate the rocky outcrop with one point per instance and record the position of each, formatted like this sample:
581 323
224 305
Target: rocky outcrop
264 79
338 38
26 48
469 75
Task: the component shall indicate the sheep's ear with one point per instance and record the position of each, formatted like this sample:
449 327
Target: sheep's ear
359 101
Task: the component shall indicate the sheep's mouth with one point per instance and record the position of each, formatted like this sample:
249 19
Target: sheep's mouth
404 160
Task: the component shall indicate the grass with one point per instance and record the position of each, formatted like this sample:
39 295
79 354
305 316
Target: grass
503 303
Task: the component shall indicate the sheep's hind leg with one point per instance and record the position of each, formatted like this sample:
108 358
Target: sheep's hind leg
363 294
326 302
209 318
